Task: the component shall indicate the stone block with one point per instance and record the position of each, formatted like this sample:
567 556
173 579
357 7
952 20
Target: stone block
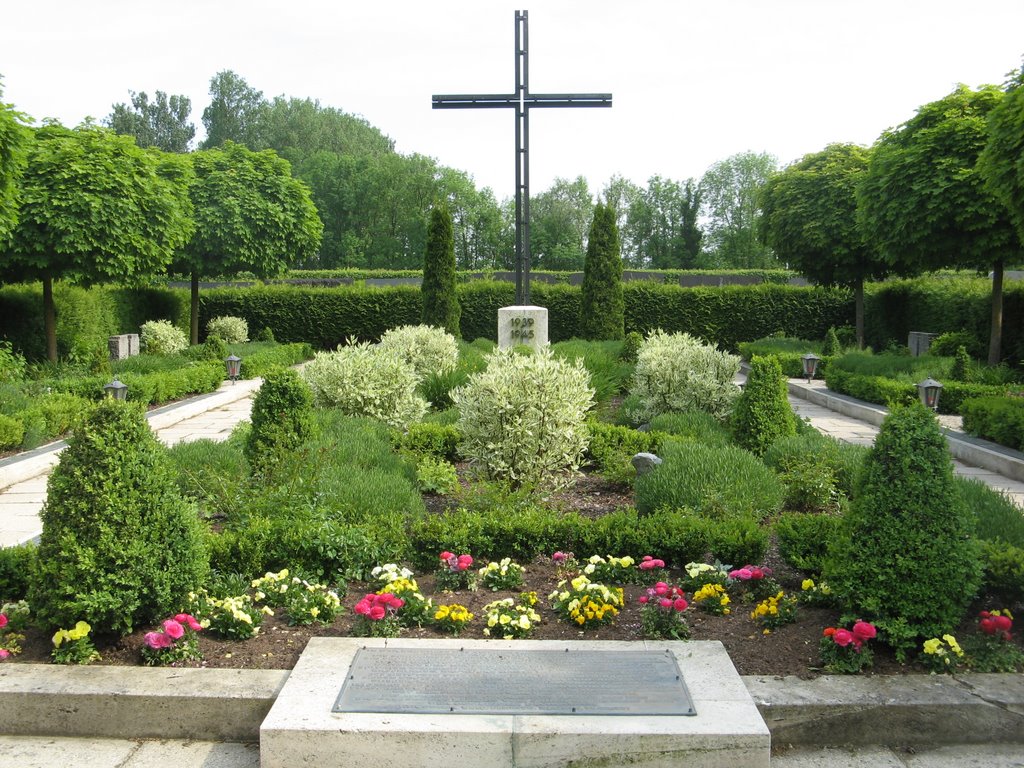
522 325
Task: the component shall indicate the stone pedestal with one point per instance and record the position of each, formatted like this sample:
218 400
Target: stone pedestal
919 342
522 325
123 346
303 728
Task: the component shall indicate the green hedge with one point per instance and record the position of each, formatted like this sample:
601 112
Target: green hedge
999 419
885 391
151 388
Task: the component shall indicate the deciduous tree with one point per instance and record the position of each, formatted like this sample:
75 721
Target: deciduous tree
235 113
163 123
729 191
14 138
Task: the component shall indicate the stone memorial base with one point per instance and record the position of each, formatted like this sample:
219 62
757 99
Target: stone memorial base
303 728
522 325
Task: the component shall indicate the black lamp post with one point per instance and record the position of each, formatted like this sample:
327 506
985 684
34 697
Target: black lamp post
810 361
234 366
115 390
929 391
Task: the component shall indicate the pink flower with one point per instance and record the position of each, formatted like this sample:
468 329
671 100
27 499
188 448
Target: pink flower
1003 623
3 620
158 640
649 563
643 599
446 556
665 602
464 562
173 629
862 631
756 573
561 557
4 653
744 574
987 625
396 602
660 588
362 607
377 612
843 637
680 604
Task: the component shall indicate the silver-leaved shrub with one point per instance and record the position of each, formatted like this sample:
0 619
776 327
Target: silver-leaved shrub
677 372
426 348
523 418
234 330
160 337
360 380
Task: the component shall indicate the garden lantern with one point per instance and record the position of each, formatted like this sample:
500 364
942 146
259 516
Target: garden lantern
115 390
929 391
234 366
810 361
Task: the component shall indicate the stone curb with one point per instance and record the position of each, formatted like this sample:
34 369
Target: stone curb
971 450
229 705
22 467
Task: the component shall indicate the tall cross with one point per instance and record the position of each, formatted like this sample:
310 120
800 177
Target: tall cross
522 101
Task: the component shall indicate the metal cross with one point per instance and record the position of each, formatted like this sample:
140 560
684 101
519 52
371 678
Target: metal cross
522 101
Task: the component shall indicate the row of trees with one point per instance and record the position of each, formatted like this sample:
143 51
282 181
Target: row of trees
943 190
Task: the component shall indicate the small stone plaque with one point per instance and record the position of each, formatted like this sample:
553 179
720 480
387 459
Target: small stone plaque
510 682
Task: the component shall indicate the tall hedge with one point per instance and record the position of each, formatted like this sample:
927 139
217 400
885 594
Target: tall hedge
904 558
603 312
440 300
120 547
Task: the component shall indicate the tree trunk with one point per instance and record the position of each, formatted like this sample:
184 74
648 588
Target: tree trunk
194 309
995 343
858 312
49 319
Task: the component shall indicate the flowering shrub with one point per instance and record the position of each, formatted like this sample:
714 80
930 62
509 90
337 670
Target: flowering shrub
585 602
943 655
73 646
523 418
377 615
359 380
427 349
511 619
452 618
815 593
697 575
417 609
775 611
233 330
662 613
235 617
302 601
161 337
993 650
713 598
677 372
502 575
845 651
615 570
174 642
454 572
753 581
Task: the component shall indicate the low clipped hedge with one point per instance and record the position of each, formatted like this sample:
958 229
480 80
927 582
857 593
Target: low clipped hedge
999 419
888 392
151 388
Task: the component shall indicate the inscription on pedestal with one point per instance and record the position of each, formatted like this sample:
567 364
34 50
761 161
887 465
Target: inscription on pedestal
510 682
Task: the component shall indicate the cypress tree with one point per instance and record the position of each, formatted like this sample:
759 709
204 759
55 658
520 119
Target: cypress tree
603 308
762 414
440 302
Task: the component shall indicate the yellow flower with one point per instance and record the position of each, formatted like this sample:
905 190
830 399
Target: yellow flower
933 646
807 584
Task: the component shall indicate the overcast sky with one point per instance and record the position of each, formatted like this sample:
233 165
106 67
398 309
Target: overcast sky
693 82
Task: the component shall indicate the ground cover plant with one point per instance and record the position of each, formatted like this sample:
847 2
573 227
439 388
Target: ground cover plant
344 513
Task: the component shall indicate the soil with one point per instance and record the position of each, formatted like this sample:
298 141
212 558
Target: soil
788 650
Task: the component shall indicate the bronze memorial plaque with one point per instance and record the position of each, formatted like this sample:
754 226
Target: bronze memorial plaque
514 682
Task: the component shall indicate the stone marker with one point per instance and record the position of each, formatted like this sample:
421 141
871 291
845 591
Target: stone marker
645 462
303 728
919 342
525 325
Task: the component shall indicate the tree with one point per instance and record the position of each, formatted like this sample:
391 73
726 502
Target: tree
250 215
559 219
809 219
619 194
163 124
440 301
690 232
603 307
729 191
924 205
662 224
235 113
14 138
95 208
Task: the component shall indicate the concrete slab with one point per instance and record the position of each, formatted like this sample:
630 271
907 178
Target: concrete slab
49 751
992 756
302 729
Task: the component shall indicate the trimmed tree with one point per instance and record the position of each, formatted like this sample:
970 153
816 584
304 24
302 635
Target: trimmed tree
762 413
809 218
282 419
13 141
904 558
923 202
120 547
440 301
603 309
250 215
95 208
